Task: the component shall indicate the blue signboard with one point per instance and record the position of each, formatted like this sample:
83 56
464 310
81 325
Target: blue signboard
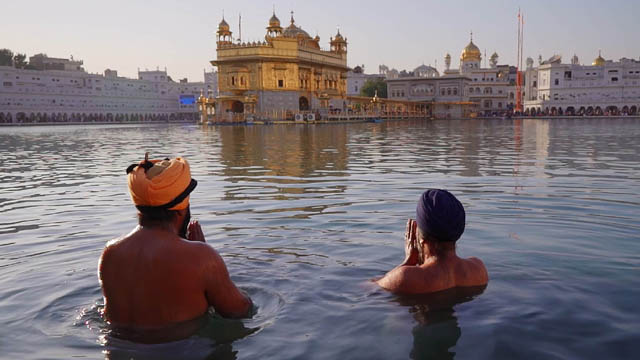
187 99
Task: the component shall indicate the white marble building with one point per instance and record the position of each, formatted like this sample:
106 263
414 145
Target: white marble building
491 88
470 90
62 91
604 87
356 78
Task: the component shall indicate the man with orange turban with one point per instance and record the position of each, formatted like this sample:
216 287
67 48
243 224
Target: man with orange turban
157 275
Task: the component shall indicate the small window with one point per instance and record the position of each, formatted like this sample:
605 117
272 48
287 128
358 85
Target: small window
614 79
557 82
280 83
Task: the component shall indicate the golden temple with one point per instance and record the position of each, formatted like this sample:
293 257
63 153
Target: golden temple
288 72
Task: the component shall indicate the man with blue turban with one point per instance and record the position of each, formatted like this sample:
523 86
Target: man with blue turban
431 263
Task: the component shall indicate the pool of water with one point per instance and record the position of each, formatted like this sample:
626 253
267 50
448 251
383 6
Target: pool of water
305 216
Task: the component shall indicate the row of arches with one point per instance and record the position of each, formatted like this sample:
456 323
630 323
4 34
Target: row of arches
611 110
28 118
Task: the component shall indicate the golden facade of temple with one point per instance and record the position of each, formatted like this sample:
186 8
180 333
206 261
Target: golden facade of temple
286 73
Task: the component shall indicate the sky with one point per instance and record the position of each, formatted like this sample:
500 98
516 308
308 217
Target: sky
127 35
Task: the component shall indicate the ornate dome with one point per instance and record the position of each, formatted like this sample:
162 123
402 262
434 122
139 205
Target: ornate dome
274 21
293 31
599 61
471 52
223 26
426 71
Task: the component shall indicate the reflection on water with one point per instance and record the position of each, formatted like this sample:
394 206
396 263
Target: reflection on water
437 331
305 215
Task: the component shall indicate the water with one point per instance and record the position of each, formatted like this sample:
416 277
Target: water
305 216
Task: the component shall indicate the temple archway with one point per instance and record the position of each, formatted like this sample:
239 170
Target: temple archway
632 110
589 111
303 103
237 107
598 111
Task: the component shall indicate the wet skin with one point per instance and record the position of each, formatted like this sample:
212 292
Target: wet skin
422 273
152 278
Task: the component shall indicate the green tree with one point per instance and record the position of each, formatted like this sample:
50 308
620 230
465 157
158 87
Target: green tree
370 86
6 57
20 61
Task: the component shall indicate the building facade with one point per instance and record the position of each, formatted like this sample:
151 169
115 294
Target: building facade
467 91
602 88
492 89
62 91
286 73
356 78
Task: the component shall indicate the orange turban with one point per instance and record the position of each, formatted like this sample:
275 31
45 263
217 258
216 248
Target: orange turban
160 184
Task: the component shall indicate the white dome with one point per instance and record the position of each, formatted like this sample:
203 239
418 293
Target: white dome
425 71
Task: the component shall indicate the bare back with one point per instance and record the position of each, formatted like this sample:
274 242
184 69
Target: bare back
152 278
436 275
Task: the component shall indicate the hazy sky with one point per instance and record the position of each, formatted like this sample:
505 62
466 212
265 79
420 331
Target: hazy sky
129 34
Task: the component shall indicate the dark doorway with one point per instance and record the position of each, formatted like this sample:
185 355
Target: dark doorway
303 103
237 107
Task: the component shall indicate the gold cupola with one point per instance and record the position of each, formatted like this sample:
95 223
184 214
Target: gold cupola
274 21
223 26
599 61
224 34
274 29
338 43
471 52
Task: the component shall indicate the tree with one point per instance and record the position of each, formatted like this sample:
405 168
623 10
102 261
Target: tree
20 61
6 57
370 86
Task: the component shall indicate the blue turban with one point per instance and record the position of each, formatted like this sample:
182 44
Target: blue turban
440 215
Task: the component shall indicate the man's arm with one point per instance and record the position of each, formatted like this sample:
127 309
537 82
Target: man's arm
393 278
220 291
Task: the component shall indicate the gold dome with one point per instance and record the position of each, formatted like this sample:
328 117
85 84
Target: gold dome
223 26
274 21
470 53
599 61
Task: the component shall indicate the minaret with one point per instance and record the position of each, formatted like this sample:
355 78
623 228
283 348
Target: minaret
338 44
575 60
224 34
447 62
274 29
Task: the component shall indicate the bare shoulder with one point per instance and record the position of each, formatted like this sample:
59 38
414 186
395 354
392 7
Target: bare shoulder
204 252
478 269
407 280
111 246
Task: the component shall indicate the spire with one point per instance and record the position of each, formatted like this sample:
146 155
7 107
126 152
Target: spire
471 35
292 21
